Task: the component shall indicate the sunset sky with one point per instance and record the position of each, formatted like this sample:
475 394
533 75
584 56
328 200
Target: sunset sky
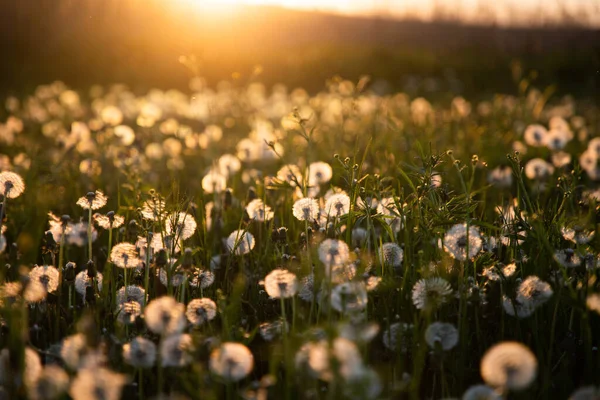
503 10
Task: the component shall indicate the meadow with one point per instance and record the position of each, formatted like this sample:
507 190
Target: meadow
243 241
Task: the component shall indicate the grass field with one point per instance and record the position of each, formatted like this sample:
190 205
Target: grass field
333 208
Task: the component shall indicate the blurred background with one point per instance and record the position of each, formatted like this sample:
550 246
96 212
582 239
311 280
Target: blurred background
471 47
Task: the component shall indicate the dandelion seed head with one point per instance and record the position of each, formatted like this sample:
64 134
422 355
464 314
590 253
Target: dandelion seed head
240 242
165 316
52 382
140 353
442 333
175 350
199 311
231 361
509 365
47 275
349 297
391 254
333 252
92 200
181 225
281 283
97 384
125 255
259 211
430 293
11 185
337 205
455 242
306 209
319 173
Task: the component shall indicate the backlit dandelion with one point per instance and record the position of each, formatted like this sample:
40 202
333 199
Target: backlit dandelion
568 258
319 173
536 135
391 254
47 275
345 353
154 210
333 252
349 297
92 200
281 283
593 302
240 242
534 291
259 211
443 334
430 293
509 365
109 221
133 293
128 312
175 350
537 168
125 255
199 311
202 279
52 382
306 209
397 336
337 205
231 361
140 353
97 384
456 242
181 225
11 185
83 281
165 316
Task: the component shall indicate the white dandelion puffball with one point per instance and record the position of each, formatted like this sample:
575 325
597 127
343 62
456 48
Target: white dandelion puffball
199 311
509 365
92 200
281 283
240 242
455 242
319 173
306 209
165 316
333 252
181 224
125 255
231 361
349 297
337 205
391 254
443 333
140 353
259 211
11 184
48 276
430 293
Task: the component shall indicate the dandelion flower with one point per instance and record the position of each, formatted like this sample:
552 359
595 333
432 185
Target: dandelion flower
231 361
319 173
97 384
165 316
337 205
125 255
181 225
534 291
290 173
536 135
128 312
109 221
259 211
455 242
516 308
240 242
306 209
83 281
269 330
593 302
199 311
202 279
281 283
349 297
443 333
154 210
509 365
140 353
538 169
430 293
11 185
343 351
92 200
134 293
333 252
391 254
52 382
48 276
214 182
397 336
175 350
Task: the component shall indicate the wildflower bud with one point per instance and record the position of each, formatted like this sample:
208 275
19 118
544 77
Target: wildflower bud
251 194
161 258
69 272
49 239
152 192
347 160
227 198
336 156
92 272
132 228
449 152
